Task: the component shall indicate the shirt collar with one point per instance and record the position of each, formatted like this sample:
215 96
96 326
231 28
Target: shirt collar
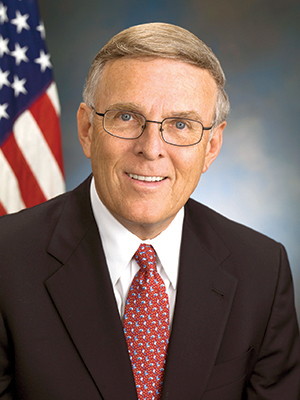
119 244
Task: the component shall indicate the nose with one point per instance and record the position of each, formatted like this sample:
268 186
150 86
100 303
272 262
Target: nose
150 143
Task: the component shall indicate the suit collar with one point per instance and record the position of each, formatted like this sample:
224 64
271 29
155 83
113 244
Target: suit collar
73 223
204 224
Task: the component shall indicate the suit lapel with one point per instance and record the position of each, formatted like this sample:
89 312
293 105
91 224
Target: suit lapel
83 296
204 297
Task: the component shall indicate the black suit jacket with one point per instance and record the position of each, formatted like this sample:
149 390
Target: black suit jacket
234 333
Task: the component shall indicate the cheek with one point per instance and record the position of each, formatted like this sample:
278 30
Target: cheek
107 153
99 157
102 148
190 164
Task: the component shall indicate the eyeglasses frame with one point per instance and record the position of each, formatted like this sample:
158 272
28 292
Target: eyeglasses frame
155 122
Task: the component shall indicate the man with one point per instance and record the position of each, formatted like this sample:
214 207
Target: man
225 326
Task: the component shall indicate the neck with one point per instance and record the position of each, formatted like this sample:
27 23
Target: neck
145 231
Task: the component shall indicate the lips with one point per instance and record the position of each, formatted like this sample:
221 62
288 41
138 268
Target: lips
146 178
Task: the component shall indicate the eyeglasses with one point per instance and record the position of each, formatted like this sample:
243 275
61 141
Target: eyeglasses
131 125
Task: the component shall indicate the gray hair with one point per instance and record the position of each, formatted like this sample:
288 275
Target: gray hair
159 40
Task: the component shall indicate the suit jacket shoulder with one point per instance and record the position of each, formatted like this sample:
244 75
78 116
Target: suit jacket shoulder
206 223
38 223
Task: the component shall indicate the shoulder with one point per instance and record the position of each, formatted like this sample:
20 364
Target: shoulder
35 219
244 243
37 223
199 214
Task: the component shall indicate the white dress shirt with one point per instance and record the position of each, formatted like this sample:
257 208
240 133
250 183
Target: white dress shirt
120 244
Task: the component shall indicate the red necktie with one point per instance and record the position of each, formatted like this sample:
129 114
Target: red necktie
146 325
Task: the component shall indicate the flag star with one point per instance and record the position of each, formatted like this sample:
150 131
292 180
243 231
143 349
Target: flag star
3 46
44 61
3 78
41 29
3 14
20 21
3 113
18 86
20 54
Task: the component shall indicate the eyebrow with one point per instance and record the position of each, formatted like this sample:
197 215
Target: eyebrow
135 107
187 114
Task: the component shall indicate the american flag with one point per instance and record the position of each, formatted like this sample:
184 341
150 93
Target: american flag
31 165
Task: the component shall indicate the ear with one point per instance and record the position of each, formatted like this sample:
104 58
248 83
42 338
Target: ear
214 146
85 128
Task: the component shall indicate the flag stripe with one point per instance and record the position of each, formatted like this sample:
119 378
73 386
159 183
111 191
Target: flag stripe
46 117
2 209
10 196
38 155
53 96
29 188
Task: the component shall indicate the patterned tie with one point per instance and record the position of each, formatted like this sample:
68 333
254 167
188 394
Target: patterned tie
146 325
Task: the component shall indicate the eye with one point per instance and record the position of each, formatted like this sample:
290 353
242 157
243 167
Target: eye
180 125
126 117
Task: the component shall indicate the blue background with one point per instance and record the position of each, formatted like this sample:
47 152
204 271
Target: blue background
256 178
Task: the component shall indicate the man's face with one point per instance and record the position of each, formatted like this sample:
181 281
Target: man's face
156 88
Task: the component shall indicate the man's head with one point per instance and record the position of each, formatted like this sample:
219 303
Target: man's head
164 41
161 72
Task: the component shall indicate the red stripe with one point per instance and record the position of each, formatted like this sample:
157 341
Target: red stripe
2 209
30 190
45 115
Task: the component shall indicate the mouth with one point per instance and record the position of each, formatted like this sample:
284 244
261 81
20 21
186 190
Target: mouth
143 178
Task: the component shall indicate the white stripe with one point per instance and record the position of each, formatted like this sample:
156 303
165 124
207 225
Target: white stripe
10 195
53 96
38 155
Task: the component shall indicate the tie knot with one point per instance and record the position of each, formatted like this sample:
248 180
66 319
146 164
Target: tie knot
145 256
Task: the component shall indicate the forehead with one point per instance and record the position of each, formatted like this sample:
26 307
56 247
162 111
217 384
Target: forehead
156 82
